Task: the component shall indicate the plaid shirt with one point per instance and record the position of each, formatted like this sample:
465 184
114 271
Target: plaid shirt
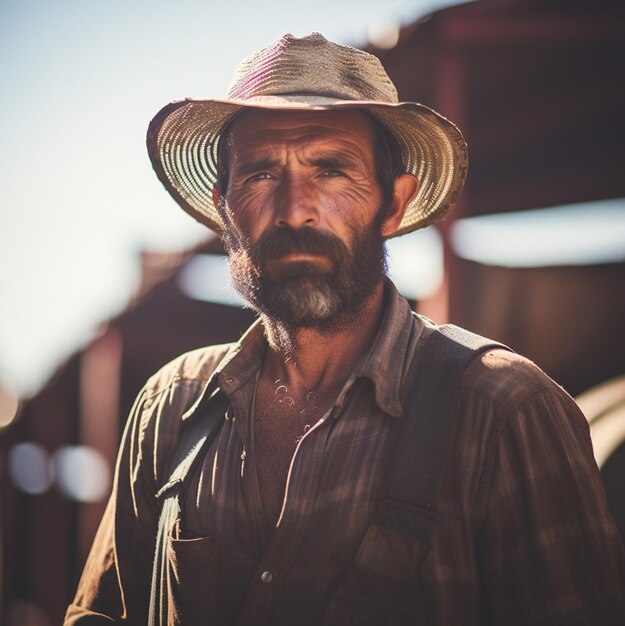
523 538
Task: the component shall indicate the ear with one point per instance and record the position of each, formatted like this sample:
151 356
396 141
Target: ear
216 197
406 187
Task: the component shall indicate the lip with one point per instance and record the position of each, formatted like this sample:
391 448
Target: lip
302 257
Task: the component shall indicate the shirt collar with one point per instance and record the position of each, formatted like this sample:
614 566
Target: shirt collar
240 362
243 361
391 352
384 363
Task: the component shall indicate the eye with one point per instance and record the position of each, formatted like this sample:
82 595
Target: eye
333 173
260 176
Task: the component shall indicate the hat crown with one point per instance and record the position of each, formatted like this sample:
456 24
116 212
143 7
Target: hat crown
312 65
300 74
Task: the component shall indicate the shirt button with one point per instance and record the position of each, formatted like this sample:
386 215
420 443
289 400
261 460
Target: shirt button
266 577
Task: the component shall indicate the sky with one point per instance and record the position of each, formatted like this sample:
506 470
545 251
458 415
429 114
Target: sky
79 201
78 198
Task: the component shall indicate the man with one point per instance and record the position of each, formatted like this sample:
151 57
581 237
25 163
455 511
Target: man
324 494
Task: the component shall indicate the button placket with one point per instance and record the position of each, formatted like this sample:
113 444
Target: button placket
272 571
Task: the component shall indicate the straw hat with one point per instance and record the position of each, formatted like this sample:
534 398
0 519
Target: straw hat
307 73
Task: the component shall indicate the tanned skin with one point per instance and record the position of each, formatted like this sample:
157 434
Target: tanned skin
309 170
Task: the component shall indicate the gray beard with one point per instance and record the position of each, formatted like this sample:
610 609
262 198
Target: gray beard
300 294
308 302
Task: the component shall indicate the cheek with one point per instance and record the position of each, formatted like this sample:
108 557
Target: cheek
249 211
355 206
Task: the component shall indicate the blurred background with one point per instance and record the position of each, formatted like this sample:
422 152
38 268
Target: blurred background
103 278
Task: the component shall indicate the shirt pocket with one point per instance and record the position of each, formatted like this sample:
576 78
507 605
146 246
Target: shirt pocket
386 584
193 581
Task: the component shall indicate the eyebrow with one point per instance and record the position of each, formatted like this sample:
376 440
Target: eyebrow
245 167
334 161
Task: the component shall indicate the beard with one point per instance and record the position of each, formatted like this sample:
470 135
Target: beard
303 294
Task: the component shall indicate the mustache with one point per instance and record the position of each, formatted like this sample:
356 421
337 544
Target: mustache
286 240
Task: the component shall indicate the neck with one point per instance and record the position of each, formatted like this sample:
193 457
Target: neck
310 359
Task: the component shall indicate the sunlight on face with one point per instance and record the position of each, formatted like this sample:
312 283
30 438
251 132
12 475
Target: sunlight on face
303 215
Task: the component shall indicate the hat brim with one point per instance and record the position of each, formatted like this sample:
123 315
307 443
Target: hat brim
182 142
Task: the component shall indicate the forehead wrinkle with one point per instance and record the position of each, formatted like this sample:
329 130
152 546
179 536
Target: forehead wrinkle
309 146
268 136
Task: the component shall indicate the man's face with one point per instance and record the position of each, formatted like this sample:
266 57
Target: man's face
303 215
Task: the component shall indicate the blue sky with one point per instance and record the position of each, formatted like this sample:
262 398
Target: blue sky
78 199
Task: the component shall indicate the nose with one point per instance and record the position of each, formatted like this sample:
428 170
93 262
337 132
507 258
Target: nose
296 203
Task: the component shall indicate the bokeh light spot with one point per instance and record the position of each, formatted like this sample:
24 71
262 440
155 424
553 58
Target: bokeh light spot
30 469
82 473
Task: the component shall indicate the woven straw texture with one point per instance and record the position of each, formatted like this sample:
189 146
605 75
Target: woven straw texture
307 73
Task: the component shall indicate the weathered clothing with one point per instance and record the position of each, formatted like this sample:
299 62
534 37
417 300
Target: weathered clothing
523 538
